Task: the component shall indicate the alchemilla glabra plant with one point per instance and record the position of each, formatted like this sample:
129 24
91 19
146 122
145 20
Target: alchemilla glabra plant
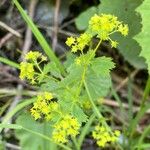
67 100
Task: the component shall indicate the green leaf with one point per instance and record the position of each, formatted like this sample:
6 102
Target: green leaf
98 85
10 126
83 19
32 141
98 78
39 37
102 65
53 69
143 37
79 114
70 59
50 85
125 11
74 75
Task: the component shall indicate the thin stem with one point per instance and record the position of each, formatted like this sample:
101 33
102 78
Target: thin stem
37 65
99 115
97 46
85 130
146 92
76 143
90 98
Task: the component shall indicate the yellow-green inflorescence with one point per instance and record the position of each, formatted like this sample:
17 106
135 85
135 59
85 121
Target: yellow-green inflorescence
44 106
32 61
67 127
79 43
102 26
104 136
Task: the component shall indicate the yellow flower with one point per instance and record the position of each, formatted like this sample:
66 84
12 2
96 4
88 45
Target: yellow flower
33 55
59 137
83 40
70 41
26 70
44 106
104 136
105 24
114 44
48 96
74 48
68 126
35 113
123 29
79 43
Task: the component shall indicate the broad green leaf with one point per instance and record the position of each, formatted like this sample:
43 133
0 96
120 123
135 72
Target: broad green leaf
102 65
98 78
50 85
74 75
53 69
10 126
82 21
79 114
31 141
98 85
143 37
70 59
125 11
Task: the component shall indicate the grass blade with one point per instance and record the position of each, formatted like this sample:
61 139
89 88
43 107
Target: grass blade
39 37
9 62
85 130
135 121
145 132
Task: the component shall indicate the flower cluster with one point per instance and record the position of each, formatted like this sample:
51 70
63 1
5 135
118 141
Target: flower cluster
79 43
68 126
44 106
33 56
27 69
103 136
104 25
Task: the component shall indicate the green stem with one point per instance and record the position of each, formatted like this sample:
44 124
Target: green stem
37 65
94 106
85 130
76 143
97 46
146 92
48 50
143 108
99 115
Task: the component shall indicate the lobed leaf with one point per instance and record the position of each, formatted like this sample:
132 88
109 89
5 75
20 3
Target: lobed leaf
143 37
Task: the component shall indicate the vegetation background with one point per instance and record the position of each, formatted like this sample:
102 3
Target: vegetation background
58 19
